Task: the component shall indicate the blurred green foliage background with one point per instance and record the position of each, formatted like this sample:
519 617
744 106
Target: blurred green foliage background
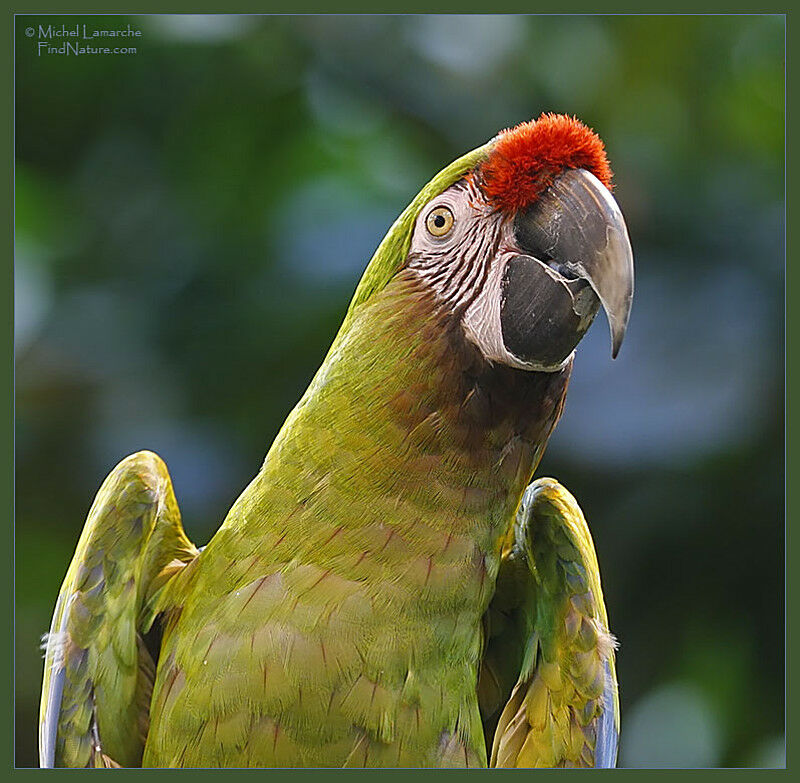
192 219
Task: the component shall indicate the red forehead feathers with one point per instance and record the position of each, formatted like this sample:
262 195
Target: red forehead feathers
525 159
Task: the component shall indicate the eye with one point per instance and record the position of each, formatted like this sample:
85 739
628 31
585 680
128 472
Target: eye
439 221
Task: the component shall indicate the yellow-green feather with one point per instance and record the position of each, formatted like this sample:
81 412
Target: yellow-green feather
393 249
335 618
564 709
98 675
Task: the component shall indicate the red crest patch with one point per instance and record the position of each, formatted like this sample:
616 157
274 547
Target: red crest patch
525 159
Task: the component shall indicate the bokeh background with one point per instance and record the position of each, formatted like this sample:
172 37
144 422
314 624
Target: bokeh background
192 219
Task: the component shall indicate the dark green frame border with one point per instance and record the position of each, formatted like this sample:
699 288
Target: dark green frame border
288 6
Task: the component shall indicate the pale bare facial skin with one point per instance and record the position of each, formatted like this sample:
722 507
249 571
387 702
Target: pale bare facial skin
527 286
465 265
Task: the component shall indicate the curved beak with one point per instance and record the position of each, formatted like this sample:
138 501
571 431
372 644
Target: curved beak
577 229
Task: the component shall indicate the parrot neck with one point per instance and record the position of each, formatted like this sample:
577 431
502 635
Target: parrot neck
373 533
408 447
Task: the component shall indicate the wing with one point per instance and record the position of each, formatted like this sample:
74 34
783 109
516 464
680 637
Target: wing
549 657
98 672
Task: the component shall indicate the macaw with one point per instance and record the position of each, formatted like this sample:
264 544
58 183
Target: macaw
390 589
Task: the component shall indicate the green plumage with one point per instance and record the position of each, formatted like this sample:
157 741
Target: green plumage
96 659
373 537
565 703
343 614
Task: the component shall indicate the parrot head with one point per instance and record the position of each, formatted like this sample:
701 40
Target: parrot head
523 241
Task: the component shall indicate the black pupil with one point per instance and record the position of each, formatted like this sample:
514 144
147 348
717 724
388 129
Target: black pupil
439 221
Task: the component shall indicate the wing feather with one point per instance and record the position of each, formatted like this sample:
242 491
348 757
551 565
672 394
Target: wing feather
98 673
563 708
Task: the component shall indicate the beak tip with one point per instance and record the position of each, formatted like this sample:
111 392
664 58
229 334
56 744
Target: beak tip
617 336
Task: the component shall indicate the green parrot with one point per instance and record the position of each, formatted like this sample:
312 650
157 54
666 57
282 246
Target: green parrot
390 589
